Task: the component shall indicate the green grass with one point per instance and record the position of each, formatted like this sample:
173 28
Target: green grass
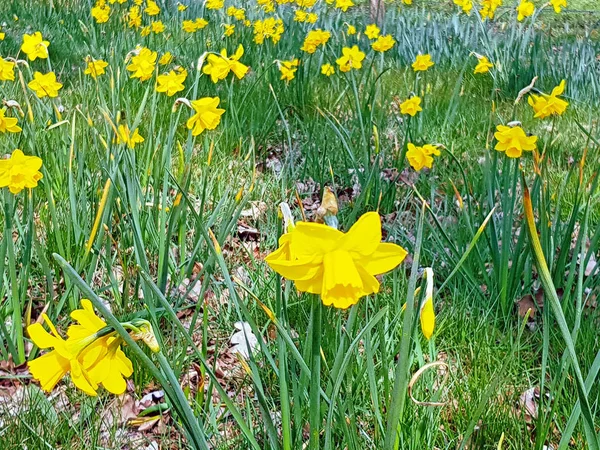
283 141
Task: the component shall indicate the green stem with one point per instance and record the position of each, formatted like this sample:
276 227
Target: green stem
315 375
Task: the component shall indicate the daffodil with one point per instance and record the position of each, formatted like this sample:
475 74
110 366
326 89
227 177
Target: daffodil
51 367
344 4
488 8
7 70
95 68
152 9
422 63
383 43
288 69
20 172
340 267
372 31
350 30
547 105
219 66
314 39
229 29
411 106
513 141
142 65
125 136
427 312
327 70
165 59
207 115
157 27
483 65
45 84
525 9
8 124
172 82
558 5
351 58
34 46
420 157
101 13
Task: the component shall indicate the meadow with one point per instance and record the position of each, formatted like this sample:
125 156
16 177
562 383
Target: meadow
299 224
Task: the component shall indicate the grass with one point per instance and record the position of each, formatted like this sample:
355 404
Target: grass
176 230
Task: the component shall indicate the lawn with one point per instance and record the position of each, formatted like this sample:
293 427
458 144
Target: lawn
278 224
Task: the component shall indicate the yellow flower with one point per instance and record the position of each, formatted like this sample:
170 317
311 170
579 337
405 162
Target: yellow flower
207 115
422 63
20 172
34 46
152 8
466 5
288 69
201 23
547 105
351 59
558 5
45 84
229 29
419 157
125 136
142 64
101 13
312 18
157 27
95 67
327 69
215 4
7 70
181 7
488 8
513 141
134 18
427 313
165 59
483 66
270 28
51 367
218 67
344 4
351 29
525 9
103 359
383 43
8 124
300 16
145 31
313 39
372 31
172 82
189 26
411 106
340 267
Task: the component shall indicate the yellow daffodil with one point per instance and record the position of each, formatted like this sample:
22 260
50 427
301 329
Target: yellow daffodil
20 172
34 46
350 30
269 28
45 84
172 82
372 31
200 23
157 27
558 5
181 7
165 59
219 66
300 16
95 68
7 70
340 267
525 9
142 64
422 63
152 9
125 136
51 367
189 26
8 124
134 17
313 39
383 43
420 157
427 312
466 5
344 4
483 65
411 106
351 58
215 4
547 105
513 141
312 18
488 8
288 69
207 115
327 70
101 13
229 29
